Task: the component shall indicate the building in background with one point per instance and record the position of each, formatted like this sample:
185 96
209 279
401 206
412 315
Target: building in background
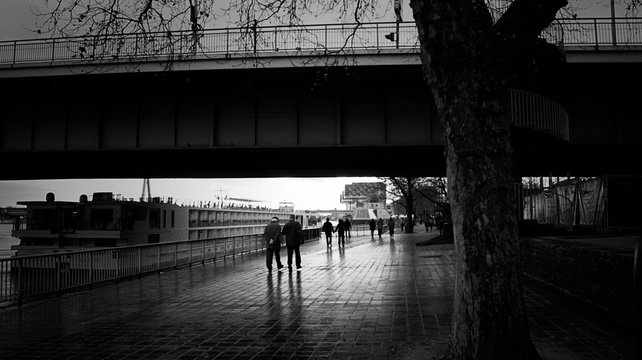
365 201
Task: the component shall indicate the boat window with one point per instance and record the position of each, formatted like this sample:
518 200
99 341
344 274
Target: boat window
154 218
102 219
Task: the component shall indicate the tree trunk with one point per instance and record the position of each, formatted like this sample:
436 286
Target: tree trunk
410 210
465 73
410 206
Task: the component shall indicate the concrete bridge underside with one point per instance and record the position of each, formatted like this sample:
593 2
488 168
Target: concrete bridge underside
376 121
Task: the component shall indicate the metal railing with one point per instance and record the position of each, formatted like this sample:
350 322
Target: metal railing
25 277
595 32
538 112
320 39
225 43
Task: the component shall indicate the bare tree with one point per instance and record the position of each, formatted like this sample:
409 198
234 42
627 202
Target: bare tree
403 191
408 192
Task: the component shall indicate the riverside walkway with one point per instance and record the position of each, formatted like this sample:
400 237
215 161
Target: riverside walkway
377 299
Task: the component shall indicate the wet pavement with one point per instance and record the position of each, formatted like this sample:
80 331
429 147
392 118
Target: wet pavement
375 299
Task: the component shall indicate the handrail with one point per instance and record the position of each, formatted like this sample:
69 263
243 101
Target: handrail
538 112
320 39
26 277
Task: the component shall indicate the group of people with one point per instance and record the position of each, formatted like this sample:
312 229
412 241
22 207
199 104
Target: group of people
293 233
378 225
342 229
294 237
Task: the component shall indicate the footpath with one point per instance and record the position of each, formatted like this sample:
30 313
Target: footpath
373 299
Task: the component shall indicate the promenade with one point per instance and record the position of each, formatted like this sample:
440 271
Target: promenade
377 299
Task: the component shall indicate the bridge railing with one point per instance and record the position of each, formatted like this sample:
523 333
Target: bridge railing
230 42
25 277
595 32
289 40
538 112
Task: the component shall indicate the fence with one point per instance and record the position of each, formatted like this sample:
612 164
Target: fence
318 39
595 32
571 202
25 277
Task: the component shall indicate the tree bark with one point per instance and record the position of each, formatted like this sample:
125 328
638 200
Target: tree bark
465 62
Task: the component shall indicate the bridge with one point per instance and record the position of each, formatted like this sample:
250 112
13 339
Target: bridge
296 110
240 102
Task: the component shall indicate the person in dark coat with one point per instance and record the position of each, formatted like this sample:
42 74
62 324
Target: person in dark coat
328 229
373 226
341 237
380 227
348 227
272 237
293 239
391 228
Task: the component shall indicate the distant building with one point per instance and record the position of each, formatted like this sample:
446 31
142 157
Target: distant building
365 201
286 206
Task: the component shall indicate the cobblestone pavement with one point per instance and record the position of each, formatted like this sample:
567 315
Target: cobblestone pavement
375 299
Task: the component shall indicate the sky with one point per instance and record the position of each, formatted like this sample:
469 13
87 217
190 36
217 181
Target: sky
305 193
16 17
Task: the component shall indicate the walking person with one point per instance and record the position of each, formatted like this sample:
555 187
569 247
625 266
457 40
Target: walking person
403 224
293 239
341 237
380 227
328 229
373 226
391 228
272 236
348 227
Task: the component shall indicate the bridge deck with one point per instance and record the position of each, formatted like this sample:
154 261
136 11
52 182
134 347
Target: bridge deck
377 299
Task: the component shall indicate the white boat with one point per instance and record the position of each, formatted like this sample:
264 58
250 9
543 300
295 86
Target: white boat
106 221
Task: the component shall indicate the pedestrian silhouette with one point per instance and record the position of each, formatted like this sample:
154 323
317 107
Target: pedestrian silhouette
348 227
272 237
328 229
380 227
340 229
293 239
373 226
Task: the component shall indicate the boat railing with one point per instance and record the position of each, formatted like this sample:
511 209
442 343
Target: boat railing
27 277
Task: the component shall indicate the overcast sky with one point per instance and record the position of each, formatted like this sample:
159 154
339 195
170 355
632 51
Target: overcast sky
305 193
16 17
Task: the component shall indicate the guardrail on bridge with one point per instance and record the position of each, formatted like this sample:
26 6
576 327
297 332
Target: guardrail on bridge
320 39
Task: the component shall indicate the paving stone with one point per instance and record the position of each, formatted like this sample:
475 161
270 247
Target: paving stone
375 299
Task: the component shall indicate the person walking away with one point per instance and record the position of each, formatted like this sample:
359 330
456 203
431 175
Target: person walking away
328 229
380 227
272 236
293 239
391 228
403 224
373 226
348 227
341 237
